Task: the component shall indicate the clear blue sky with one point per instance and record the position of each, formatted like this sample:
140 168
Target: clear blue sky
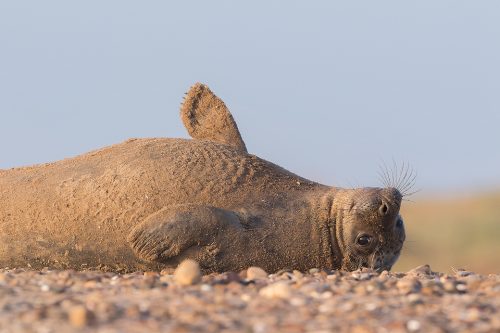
327 89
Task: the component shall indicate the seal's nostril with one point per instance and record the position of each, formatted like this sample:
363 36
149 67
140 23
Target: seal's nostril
384 209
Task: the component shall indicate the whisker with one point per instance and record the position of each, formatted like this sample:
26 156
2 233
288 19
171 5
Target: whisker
409 181
406 176
394 173
402 177
388 175
381 178
385 174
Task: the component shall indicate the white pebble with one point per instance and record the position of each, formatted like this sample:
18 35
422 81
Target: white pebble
187 273
413 325
206 287
297 301
256 273
276 290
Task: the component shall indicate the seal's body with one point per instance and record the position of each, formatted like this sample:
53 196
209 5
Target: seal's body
149 203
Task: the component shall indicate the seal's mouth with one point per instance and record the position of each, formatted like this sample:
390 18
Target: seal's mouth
378 261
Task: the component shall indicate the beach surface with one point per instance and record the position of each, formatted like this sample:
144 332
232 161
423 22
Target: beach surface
419 300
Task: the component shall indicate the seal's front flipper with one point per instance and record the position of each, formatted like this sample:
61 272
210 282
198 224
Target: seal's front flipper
174 229
206 117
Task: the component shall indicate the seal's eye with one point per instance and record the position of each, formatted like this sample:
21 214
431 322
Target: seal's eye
399 223
363 240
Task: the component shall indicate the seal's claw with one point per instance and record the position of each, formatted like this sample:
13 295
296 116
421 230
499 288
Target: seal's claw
155 243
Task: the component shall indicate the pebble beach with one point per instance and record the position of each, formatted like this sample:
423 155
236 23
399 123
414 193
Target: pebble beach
184 300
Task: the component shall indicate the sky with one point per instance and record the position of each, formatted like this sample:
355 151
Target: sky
330 90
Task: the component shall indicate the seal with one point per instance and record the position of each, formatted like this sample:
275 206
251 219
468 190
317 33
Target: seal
151 203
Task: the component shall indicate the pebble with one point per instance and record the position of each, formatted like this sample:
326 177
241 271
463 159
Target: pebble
463 273
461 287
167 271
90 301
80 316
276 290
151 274
409 285
450 286
188 273
415 299
231 277
256 273
413 325
361 276
422 270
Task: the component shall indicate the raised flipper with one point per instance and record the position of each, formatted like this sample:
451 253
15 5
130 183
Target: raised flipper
174 229
206 117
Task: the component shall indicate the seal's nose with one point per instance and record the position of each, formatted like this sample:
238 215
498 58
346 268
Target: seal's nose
383 209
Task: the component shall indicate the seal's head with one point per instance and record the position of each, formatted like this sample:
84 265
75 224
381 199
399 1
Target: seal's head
368 227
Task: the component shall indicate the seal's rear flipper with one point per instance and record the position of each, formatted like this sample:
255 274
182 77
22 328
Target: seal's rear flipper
174 229
206 117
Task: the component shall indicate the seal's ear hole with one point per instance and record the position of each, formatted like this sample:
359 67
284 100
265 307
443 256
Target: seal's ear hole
384 209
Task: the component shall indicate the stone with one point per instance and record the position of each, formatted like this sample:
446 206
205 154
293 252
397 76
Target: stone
231 277
413 325
409 285
151 274
279 289
188 273
79 316
422 270
256 273
298 274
